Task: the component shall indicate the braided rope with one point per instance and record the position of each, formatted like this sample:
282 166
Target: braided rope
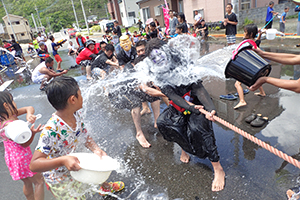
257 141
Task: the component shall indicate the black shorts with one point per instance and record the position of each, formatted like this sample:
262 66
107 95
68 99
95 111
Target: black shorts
269 25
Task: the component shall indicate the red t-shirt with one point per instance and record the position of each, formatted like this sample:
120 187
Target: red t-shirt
7 45
85 55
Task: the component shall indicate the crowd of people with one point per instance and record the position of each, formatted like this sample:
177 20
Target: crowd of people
181 122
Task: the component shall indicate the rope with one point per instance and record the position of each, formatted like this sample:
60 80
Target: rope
257 141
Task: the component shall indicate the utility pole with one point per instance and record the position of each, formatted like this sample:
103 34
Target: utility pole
75 14
15 37
49 24
87 26
36 29
41 25
106 11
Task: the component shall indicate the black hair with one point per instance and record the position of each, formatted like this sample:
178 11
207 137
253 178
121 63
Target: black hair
39 32
251 30
48 60
110 47
180 26
126 28
60 89
229 4
153 24
141 43
51 37
286 8
13 41
182 16
154 43
102 42
271 3
116 21
6 97
115 31
139 59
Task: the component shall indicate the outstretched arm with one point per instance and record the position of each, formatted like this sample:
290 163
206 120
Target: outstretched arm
293 85
283 58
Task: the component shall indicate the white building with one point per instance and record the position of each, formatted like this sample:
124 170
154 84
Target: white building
129 12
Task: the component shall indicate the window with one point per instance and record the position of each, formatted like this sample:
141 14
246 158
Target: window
131 14
26 22
157 10
201 12
245 4
180 3
146 13
22 34
17 22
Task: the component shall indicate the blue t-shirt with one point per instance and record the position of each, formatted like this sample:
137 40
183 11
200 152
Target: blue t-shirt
298 14
282 17
80 42
269 14
54 51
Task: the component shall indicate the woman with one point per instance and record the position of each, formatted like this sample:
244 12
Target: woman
181 20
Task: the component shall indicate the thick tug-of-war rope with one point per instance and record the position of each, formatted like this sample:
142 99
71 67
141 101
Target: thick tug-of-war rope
257 141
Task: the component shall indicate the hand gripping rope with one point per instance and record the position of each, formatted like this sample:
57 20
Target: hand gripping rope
257 141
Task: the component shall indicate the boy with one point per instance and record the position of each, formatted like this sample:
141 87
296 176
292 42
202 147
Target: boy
179 30
62 134
42 52
202 29
58 59
230 22
282 19
269 16
35 43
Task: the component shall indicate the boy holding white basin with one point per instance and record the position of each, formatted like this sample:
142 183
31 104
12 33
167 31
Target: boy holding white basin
61 135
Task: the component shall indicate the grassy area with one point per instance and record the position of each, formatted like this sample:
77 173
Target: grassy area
130 29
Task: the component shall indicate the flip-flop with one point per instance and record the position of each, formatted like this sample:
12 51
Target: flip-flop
259 121
246 91
59 70
114 187
228 97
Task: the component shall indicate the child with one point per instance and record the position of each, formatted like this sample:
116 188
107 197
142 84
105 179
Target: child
250 32
62 134
42 52
179 30
58 59
35 43
282 19
230 23
18 156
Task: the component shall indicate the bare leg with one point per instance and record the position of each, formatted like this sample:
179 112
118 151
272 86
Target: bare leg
28 189
58 66
156 111
146 109
261 92
184 157
38 182
166 100
219 179
241 95
88 72
136 116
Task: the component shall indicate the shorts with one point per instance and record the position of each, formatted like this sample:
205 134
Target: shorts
282 27
57 58
38 79
85 63
230 39
269 25
68 190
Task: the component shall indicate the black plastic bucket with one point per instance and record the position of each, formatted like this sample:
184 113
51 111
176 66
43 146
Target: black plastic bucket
247 66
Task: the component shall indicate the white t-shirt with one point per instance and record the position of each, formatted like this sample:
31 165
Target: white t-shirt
40 39
71 47
197 17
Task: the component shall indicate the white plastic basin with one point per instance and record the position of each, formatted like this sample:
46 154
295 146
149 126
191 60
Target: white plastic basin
18 131
93 169
271 34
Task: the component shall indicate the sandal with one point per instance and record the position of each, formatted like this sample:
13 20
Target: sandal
114 187
259 121
251 117
228 97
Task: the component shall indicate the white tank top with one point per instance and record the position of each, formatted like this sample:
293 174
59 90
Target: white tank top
36 72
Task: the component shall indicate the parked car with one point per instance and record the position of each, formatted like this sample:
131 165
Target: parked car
107 25
72 33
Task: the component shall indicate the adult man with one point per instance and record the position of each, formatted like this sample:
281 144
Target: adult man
44 72
202 28
127 52
140 25
269 16
230 22
173 22
40 38
197 18
117 27
86 56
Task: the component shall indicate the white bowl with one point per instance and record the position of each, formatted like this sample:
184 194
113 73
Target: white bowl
93 169
271 34
18 131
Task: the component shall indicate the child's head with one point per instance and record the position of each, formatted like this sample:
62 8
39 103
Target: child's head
271 4
7 105
109 50
181 17
229 8
179 29
51 38
115 32
60 90
42 45
202 22
250 31
286 9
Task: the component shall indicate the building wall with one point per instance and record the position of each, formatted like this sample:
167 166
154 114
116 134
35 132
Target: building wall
127 6
114 11
21 27
258 15
213 10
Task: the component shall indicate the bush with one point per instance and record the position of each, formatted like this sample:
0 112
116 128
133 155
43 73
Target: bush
217 28
292 16
247 21
96 28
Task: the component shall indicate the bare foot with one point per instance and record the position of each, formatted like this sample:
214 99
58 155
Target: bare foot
219 180
290 193
155 125
142 140
260 94
185 158
89 78
240 104
145 111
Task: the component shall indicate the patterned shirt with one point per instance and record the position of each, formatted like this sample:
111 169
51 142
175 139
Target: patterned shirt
59 139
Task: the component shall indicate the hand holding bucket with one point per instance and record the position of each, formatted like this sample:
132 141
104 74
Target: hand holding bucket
246 65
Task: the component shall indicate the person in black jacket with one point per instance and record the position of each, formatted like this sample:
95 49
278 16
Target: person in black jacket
127 52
